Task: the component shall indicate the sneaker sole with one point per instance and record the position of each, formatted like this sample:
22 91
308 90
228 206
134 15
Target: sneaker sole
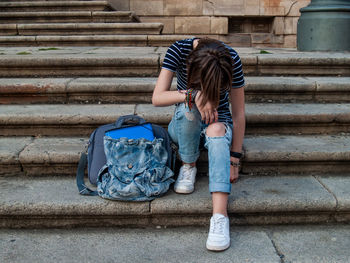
216 248
183 191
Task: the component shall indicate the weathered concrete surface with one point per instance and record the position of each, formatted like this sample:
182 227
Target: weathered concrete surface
59 120
164 40
72 120
133 245
14 40
108 85
117 61
331 84
339 186
33 85
10 149
308 244
332 89
55 202
53 6
91 40
111 90
296 118
81 120
30 90
294 243
50 202
297 113
253 200
264 155
296 154
8 29
88 28
146 61
297 148
309 63
139 90
161 115
66 17
199 202
281 84
119 40
52 155
285 194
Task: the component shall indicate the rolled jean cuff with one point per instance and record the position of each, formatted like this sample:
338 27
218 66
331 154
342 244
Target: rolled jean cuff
189 158
220 187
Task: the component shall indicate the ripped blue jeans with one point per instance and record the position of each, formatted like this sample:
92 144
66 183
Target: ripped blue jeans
186 129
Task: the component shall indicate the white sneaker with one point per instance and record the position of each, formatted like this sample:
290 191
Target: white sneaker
186 179
219 233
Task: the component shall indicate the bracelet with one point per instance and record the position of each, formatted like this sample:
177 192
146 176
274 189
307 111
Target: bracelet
236 155
188 98
235 164
194 94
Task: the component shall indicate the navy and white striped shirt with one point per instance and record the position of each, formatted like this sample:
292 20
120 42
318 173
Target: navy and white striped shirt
175 61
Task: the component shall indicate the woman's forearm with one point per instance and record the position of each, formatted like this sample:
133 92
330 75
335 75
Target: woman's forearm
167 98
162 95
238 134
238 118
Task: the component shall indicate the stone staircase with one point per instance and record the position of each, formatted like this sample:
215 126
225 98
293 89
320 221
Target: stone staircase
297 148
75 23
296 151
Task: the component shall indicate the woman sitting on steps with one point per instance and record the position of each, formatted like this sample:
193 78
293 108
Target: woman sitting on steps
209 76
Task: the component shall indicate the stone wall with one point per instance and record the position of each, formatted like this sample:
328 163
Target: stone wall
256 23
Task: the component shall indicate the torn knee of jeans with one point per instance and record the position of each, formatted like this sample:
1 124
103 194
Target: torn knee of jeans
216 130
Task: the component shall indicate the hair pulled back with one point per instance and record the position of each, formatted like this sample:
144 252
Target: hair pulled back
209 69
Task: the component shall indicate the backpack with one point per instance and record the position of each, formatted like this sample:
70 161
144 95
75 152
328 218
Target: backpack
95 159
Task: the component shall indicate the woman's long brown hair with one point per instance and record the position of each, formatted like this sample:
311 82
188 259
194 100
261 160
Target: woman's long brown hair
209 69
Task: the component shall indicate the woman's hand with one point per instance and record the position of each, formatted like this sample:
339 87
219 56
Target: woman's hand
234 171
207 111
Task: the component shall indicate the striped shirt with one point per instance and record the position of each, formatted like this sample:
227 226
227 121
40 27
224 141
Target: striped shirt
175 61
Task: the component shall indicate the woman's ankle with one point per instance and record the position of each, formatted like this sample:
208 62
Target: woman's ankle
220 201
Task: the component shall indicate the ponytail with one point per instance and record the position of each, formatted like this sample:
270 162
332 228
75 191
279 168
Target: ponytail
209 69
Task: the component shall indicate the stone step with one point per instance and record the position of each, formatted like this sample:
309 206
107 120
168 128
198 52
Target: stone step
81 120
89 40
255 244
67 17
47 0
287 62
146 61
39 6
284 199
263 155
81 29
139 90
79 61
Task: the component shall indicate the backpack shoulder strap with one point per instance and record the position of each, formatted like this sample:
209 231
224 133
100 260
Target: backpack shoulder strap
129 120
83 189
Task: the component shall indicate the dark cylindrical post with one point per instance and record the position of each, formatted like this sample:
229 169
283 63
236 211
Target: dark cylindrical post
324 25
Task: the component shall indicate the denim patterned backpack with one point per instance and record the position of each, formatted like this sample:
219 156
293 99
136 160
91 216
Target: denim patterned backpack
127 169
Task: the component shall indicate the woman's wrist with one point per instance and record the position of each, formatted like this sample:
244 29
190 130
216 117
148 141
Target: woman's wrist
235 154
235 162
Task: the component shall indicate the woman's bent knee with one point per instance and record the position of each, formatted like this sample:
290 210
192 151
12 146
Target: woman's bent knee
216 129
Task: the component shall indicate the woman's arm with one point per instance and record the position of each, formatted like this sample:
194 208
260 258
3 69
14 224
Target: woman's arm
238 118
162 96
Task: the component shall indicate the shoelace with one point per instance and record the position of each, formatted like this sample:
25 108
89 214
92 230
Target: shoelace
217 226
186 175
